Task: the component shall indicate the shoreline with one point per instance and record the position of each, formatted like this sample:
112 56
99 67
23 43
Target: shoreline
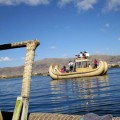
47 74
18 76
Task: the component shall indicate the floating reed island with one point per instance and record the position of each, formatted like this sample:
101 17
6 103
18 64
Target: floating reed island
55 116
22 102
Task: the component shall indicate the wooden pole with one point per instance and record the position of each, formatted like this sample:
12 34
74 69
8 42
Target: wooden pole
31 46
17 109
1 118
24 99
15 45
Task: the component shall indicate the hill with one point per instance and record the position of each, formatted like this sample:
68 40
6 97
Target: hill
42 66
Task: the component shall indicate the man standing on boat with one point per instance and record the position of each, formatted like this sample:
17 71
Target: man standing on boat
70 64
95 63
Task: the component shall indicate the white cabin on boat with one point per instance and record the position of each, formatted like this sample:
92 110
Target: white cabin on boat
82 64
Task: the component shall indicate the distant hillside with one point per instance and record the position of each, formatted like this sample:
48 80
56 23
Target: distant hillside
41 66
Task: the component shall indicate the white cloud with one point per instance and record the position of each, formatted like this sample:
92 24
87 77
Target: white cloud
29 2
112 5
5 59
80 4
64 2
85 4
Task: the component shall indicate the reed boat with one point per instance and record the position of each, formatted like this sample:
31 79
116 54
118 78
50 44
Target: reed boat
83 68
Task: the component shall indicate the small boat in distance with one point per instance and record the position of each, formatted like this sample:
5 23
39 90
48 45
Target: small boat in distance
83 68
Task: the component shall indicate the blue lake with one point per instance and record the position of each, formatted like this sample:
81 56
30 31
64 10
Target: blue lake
100 95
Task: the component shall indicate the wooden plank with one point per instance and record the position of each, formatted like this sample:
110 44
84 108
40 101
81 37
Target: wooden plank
18 108
16 45
9 46
1 118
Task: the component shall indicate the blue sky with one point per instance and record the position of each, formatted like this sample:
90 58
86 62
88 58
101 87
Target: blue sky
64 28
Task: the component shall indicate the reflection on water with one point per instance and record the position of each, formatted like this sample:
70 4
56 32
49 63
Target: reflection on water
88 85
80 92
100 94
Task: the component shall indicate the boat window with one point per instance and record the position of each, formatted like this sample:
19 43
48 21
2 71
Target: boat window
79 65
83 64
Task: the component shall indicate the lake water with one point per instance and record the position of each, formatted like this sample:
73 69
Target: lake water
100 95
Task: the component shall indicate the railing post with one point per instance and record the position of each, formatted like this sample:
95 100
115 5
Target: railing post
31 46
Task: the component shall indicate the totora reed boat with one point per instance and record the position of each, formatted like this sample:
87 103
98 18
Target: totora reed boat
83 68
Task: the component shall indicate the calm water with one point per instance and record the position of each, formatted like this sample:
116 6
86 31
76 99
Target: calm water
100 95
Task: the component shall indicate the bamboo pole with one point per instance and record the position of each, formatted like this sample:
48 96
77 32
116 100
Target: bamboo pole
17 44
31 46
17 109
1 118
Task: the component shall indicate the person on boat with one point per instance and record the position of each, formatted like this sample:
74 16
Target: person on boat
63 69
87 54
95 63
77 56
89 65
70 64
81 55
84 54
74 66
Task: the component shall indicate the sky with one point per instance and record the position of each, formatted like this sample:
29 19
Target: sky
63 27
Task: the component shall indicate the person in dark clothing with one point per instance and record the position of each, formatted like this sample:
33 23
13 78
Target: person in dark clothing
70 64
84 54
95 63
64 67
